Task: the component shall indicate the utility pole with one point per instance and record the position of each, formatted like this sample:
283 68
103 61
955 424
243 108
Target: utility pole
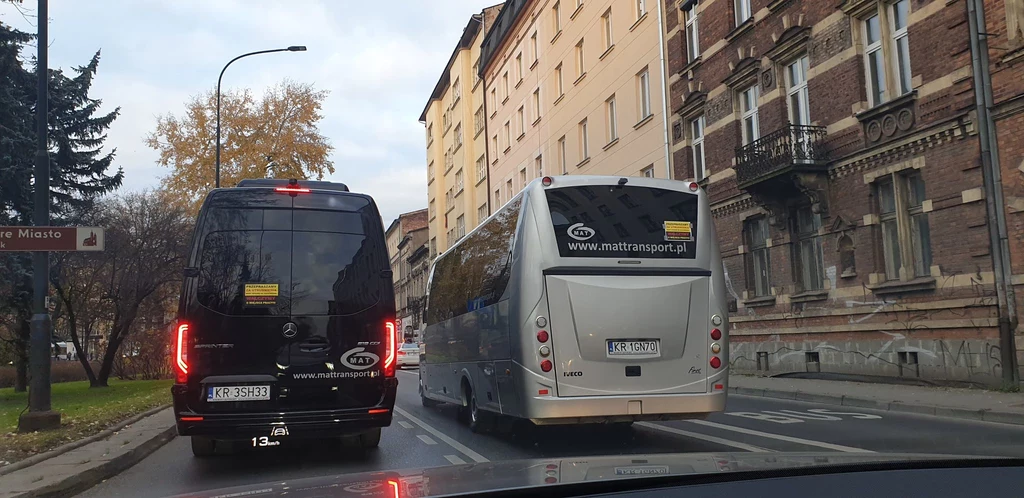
39 415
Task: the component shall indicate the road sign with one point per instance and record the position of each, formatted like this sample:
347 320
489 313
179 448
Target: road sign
51 239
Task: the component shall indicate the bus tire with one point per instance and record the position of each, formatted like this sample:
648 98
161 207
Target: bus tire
203 446
480 421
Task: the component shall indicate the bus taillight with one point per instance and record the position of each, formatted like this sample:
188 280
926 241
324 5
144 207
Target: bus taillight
716 362
546 365
716 334
542 336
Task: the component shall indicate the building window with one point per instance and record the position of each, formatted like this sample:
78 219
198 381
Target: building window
809 258
906 239
497 197
449 159
460 227
494 101
641 8
433 247
476 72
478 120
647 172
481 213
755 235
584 142
538 164
742 11
612 117
449 200
748 114
507 134
446 120
508 189
556 17
494 146
606 29
519 68
536 104
697 146
433 209
481 168
522 178
559 87
562 163
534 48
430 171
456 91
643 81
430 134
887 65
692 38
521 122
580 68
458 135
504 87
799 101
459 181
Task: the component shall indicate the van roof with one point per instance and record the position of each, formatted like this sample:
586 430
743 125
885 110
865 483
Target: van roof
277 182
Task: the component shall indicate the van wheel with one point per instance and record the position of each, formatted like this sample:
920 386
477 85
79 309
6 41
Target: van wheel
203 446
370 440
425 401
480 421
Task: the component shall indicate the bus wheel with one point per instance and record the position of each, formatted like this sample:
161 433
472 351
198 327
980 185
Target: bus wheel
480 421
425 401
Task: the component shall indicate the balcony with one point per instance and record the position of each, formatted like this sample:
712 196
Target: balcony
784 168
791 149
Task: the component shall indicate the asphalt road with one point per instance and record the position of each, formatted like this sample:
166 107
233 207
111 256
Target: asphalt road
422 437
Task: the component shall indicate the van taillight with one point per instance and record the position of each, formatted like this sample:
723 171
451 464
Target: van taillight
389 348
181 353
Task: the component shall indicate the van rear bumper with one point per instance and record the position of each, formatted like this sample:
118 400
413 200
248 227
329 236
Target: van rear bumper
299 424
551 410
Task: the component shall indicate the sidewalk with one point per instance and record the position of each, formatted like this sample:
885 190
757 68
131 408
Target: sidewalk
973 404
71 472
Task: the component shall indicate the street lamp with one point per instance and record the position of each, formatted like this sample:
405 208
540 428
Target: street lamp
293 48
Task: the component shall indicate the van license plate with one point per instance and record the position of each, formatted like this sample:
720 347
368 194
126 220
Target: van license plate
642 348
238 393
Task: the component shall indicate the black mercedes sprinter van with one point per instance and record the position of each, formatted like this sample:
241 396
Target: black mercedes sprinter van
286 318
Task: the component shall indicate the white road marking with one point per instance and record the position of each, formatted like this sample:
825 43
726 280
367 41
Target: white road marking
461 448
454 459
780 437
426 439
405 424
410 372
704 437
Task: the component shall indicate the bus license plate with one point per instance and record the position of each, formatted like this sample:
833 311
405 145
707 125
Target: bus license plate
644 348
238 393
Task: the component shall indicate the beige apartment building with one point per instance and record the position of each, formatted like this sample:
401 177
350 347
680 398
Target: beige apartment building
573 87
456 141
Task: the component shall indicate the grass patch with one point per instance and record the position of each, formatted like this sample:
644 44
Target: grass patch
84 412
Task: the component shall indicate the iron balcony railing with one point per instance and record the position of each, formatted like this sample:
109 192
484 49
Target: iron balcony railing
787 147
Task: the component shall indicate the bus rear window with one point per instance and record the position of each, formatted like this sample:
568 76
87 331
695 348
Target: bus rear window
623 222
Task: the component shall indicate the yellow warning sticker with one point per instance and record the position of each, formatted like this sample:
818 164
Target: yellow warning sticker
678 231
261 290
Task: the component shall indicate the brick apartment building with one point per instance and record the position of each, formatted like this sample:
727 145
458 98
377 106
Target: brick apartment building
404 236
841 144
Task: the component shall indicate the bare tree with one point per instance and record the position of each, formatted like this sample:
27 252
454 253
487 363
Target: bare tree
146 245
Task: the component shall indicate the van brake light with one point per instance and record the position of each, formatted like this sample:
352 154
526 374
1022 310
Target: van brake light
389 348
181 354
292 190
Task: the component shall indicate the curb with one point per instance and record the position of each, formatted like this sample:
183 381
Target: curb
32 460
891 406
82 481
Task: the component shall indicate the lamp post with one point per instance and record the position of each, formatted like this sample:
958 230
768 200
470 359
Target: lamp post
293 48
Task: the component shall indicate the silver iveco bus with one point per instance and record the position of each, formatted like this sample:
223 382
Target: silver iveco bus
584 299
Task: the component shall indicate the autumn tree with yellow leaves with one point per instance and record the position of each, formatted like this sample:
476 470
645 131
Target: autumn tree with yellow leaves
272 137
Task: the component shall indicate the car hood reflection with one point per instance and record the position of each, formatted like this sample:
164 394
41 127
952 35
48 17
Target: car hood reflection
490 476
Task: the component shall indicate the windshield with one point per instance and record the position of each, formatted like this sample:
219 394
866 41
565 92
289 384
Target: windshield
448 247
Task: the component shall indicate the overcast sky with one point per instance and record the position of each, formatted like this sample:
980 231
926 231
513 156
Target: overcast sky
379 60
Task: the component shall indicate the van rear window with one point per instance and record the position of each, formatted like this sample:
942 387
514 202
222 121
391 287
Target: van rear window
257 262
623 222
